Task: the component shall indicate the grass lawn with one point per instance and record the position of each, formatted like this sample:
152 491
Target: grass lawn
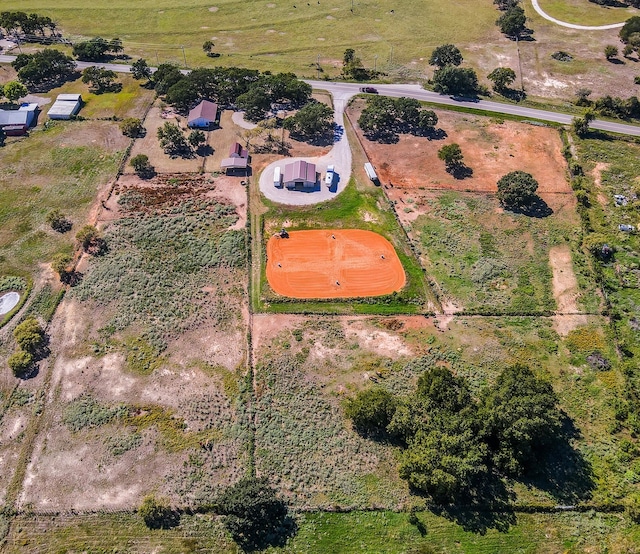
277 36
583 12
60 168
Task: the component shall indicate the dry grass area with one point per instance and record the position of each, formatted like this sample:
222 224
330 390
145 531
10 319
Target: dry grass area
144 390
490 148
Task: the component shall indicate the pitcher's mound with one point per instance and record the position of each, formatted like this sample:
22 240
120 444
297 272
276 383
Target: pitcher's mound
333 264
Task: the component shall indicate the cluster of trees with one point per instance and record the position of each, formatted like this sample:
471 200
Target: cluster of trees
44 70
31 347
97 49
385 117
352 67
174 142
630 36
101 80
513 21
452 442
448 78
28 24
313 120
623 108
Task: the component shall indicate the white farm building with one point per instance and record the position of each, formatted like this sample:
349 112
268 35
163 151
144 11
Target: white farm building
65 106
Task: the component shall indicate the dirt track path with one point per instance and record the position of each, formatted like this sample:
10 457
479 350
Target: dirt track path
565 291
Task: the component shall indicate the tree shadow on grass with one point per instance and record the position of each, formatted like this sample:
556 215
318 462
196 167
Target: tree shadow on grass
488 506
562 470
538 208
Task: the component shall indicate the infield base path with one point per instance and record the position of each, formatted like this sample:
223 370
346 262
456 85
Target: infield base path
334 263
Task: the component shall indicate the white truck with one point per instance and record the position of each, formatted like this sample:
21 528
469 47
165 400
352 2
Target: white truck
329 177
371 173
277 177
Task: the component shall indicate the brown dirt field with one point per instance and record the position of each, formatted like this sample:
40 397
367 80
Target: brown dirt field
597 178
490 149
310 264
565 284
150 146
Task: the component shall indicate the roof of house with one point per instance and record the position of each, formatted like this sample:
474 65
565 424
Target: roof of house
300 171
236 151
234 163
28 107
13 117
69 97
206 110
64 107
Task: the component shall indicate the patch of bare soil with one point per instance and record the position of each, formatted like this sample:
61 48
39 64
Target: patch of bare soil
79 470
490 149
383 343
565 284
150 146
597 178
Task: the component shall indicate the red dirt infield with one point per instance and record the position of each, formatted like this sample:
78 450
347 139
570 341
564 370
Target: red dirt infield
334 263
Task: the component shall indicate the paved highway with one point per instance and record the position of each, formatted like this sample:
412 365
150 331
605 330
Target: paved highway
346 90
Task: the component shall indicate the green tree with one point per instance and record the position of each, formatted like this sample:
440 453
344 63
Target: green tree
197 138
352 67
131 127
504 5
141 165
427 120
60 264
451 155
520 418
20 363
610 52
455 80
14 90
254 515
92 50
255 103
444 464
165 77
140 70
172 139
58 221
581 125
371 410
90 239
445 55
512 22
313 120
630 28
100 80
517 190
582 95
502 77
29 335
157 514
599 246
45 69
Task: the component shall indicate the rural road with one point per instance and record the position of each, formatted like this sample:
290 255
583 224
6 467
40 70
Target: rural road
542 13
344 91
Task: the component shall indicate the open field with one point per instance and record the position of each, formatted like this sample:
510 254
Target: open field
490 147
584 12
64 167
333 264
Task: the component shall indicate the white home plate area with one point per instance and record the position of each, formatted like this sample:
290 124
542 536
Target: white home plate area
8 301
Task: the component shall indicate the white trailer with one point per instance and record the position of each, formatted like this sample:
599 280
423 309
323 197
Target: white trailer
277 177
371 173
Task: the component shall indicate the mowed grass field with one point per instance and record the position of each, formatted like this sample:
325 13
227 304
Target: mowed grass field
583 12
279 35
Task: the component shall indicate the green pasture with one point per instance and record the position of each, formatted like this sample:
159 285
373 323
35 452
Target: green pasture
41 173
492 263
274 35
583 12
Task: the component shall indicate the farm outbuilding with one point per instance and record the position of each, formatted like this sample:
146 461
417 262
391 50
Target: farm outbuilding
300 175
238 159
237 151
17 122
65 106
204 115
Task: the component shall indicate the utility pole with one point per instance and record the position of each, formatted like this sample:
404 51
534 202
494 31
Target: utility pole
375 63
519 63
318 66
184 56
